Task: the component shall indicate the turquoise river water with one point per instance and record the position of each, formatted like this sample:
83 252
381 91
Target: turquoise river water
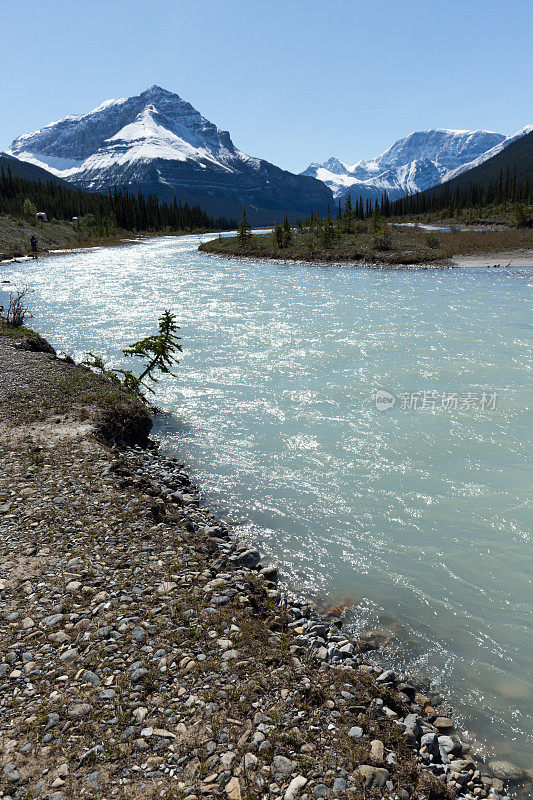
417 511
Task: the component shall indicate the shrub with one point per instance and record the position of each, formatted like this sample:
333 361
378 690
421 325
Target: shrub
432 241
17 311
522 218
382 242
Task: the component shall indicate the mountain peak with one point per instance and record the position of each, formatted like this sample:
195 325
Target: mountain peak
453 131
158 91
154 124
334 165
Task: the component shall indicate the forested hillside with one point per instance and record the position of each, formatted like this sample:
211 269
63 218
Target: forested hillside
117 209
30 172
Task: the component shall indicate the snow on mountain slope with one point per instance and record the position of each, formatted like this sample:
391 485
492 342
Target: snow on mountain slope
161 143
488 153
414 163
154 125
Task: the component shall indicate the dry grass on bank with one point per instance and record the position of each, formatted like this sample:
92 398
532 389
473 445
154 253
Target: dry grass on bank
40 388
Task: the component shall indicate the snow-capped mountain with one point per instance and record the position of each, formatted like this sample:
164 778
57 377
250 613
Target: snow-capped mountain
488 153
417 162
160 143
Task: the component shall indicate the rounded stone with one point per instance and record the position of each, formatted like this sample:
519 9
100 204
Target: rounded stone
443 723
281 768
78 710
506 771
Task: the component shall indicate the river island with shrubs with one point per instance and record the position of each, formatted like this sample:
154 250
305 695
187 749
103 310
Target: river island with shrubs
374 239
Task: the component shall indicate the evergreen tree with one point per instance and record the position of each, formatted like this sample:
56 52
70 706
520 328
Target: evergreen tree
376 223
348 213
29 210
111 212
287 231
158 352
245 230
328 232
521 217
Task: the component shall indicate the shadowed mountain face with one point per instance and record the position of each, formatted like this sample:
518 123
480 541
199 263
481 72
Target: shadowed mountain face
160 143
28 172
419 161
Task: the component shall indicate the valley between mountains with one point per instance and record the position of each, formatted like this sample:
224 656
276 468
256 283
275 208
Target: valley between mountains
160 144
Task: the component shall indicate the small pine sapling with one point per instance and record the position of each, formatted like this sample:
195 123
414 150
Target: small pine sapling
158 351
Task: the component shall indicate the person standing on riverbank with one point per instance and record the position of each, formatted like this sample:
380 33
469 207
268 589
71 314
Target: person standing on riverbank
33 242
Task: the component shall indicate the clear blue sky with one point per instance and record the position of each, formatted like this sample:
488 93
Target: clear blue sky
294 81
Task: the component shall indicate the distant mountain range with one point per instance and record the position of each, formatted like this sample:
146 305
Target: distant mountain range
160 143
419 161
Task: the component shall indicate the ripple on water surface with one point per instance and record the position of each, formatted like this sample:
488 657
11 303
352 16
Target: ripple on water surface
421 516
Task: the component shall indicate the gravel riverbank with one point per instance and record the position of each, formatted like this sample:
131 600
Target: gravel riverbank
145 652
317 262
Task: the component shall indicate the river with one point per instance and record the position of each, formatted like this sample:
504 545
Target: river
418 509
